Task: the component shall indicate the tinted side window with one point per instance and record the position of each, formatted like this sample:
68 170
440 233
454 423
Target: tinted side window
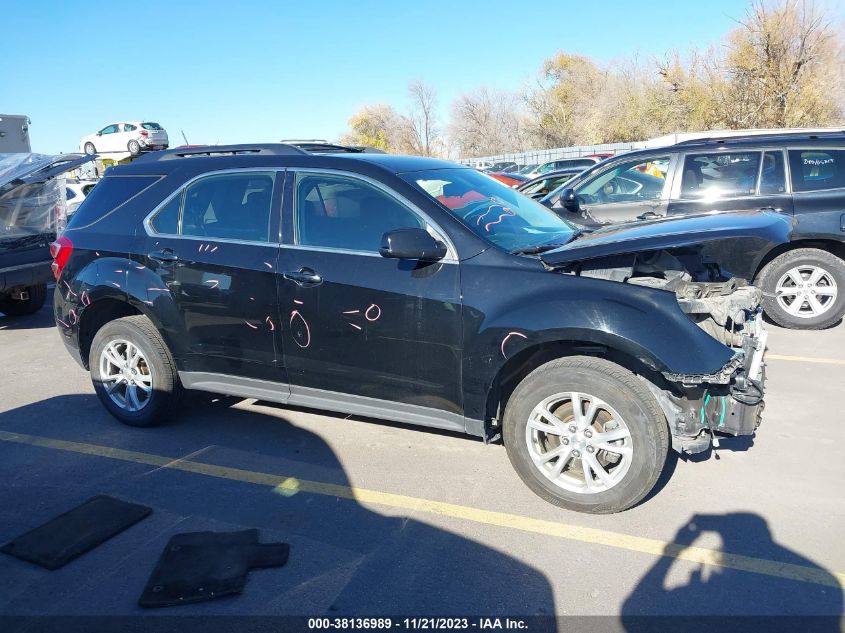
166 221
128 127
816 169
230 206
107 195
341 212
772 177
720 175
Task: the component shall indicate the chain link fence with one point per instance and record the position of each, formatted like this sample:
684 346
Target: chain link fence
540 156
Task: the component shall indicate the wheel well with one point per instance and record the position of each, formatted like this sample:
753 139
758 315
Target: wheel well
831 246
522 364
96 316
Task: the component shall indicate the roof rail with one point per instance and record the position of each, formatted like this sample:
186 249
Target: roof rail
322 147
768 135
261 149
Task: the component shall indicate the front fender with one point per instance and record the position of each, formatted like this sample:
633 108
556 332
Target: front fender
547 307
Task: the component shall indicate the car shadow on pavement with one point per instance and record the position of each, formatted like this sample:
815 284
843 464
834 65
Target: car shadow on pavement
346 559
41 319
670 588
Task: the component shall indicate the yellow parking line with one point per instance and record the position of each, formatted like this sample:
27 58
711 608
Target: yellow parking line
290 486
806 359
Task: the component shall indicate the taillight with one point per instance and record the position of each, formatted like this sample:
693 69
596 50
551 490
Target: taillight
60 251
144 133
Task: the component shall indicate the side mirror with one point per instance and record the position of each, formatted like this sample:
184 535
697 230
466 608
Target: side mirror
411 244
569 200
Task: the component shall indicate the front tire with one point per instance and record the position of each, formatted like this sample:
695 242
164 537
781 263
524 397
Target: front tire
90 149
133 372
134 147
586 434
804 289
23 307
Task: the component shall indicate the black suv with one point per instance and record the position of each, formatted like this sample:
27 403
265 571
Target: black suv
799 175
414 290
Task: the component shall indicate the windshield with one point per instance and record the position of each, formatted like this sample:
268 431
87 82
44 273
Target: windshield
491 209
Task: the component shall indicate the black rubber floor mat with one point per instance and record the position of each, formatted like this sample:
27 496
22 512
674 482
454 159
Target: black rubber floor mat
75 532
205 565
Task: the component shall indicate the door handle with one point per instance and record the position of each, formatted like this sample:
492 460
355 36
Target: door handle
776 210
164 256
303 277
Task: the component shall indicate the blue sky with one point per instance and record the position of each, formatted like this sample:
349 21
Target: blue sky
247 71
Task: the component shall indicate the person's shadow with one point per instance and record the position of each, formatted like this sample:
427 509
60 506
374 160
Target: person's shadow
667 593
345 559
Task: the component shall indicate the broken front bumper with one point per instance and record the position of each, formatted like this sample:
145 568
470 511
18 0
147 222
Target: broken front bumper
728 402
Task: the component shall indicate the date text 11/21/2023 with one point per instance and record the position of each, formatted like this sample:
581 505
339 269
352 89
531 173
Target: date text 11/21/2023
420 623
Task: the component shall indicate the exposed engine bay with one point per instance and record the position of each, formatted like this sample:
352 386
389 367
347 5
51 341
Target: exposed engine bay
728 309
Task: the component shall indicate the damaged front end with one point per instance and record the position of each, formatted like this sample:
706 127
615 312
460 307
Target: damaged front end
698 406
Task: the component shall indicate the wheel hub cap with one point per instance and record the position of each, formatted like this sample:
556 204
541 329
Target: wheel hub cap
806 291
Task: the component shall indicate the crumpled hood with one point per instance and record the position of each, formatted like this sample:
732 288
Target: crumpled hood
23 169
667 233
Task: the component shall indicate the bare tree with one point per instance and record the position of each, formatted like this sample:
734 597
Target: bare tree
486 122
422 128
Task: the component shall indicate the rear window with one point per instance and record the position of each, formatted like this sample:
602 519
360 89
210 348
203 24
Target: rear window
815 170
108 195
151 126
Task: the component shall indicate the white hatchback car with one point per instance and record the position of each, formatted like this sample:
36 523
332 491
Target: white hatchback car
128 136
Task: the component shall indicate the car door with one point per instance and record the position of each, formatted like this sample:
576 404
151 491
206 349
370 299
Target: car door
740 180
627 190
106 141
129 131
818 185
214 244
362 330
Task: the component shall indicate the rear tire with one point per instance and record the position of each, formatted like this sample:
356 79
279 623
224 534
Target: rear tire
133 372
90 149
134 147
627 437
16 307
818 273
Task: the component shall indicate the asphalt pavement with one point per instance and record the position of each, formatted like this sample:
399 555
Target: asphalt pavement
391 519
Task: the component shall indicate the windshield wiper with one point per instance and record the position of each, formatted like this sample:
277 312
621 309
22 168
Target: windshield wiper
542 248
533 250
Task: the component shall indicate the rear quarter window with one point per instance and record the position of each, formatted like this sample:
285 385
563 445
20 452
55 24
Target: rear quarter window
108 195
817 169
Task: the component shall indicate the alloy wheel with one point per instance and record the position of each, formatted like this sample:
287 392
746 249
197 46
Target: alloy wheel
806 291
579 442
126 375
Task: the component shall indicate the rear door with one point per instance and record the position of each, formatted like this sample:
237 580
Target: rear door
363 330
215 246
818 184
741 180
